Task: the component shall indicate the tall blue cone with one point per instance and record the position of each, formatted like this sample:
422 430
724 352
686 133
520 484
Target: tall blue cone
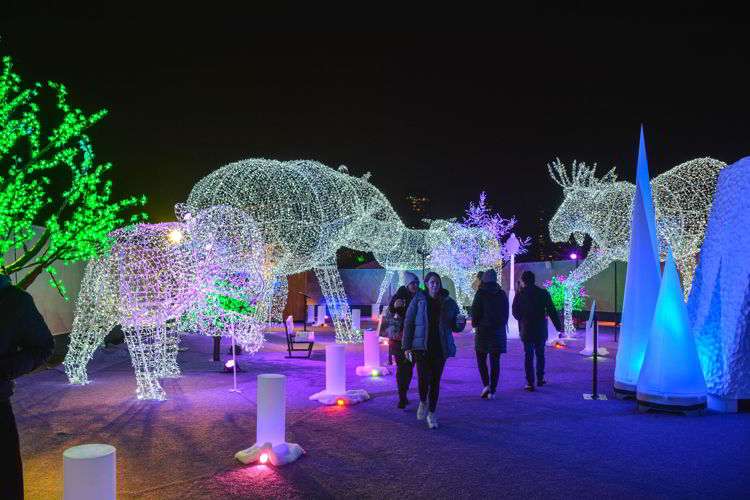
671 376
641 284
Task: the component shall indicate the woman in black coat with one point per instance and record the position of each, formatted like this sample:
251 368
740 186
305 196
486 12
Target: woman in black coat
489 316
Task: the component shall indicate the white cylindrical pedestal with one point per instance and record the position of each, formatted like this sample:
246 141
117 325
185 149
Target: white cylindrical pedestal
335 369
356 319
310 314
89 472
372 349
375 312
553 336
271 408
321 315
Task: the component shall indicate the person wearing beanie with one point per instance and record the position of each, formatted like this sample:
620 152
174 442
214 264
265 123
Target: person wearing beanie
530 306
397 307
25 344
489 316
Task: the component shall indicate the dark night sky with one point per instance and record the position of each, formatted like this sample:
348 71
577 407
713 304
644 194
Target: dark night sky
442 106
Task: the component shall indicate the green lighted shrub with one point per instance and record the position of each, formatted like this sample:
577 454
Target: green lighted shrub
556 288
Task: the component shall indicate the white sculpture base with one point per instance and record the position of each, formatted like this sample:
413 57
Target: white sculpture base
350 397
369 371
590 351
281 454
89 472
553 336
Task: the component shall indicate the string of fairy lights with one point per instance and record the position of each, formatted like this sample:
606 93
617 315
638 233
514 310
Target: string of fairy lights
601 208
204 274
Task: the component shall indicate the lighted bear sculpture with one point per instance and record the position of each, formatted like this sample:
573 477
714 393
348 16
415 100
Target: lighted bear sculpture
719 304
210 266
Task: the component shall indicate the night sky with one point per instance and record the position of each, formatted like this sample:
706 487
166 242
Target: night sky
443 106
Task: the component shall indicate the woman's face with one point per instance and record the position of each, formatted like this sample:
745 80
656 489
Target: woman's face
433 286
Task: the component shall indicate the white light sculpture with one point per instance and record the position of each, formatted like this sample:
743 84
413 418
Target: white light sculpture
305 212
371 352
602 209
209 278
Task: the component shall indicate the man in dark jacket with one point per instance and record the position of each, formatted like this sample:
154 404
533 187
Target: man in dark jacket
489 316
530 306
398 306
25 344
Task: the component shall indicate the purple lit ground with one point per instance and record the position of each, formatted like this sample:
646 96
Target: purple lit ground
547 444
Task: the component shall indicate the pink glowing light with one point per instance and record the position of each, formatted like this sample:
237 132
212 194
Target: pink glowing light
264 458
573 256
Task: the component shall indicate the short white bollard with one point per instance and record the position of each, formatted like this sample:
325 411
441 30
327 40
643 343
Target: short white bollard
375 312
271 403
588 350
310 315
89 472
553 336
321 316
356 319
335 392
372 356
270 426
513 332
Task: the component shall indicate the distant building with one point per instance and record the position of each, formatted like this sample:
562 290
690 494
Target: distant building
419 209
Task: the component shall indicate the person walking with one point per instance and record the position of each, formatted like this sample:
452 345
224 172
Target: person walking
530 306
489 316
397 310
430 321
25 344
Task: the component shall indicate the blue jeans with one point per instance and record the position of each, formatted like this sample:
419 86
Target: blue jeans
529 349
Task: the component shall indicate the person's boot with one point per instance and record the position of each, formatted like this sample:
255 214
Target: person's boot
529 386
421 410
485 392
402 402
491 395
541 382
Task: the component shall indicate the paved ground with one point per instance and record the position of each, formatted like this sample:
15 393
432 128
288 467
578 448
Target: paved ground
547 444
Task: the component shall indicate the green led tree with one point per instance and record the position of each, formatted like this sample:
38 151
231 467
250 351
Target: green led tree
48 178
556 288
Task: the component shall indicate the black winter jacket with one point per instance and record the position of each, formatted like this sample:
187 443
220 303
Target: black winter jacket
489 316
25 341
530 307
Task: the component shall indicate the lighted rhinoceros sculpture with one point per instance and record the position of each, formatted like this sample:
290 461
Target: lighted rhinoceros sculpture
206 272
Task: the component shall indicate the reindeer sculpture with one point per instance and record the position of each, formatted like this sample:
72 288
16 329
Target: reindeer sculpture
602 209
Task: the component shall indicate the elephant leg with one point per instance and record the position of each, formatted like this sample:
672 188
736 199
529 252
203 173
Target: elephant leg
686 266
333 292
280 295
145 348
387 279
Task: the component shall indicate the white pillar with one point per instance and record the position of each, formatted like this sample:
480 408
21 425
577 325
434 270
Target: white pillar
89 472
552 334
335 368
310 314
321 315
375 311
513 332
356 319
372 350
271 409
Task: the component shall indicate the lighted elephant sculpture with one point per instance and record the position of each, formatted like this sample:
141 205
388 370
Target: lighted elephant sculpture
305 212
156 278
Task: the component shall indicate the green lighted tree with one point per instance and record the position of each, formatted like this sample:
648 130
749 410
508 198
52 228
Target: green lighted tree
75 210
556 288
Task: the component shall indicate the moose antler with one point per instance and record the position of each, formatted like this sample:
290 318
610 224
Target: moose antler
581 175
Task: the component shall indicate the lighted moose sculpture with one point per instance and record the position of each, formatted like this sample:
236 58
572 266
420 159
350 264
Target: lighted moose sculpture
602 209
